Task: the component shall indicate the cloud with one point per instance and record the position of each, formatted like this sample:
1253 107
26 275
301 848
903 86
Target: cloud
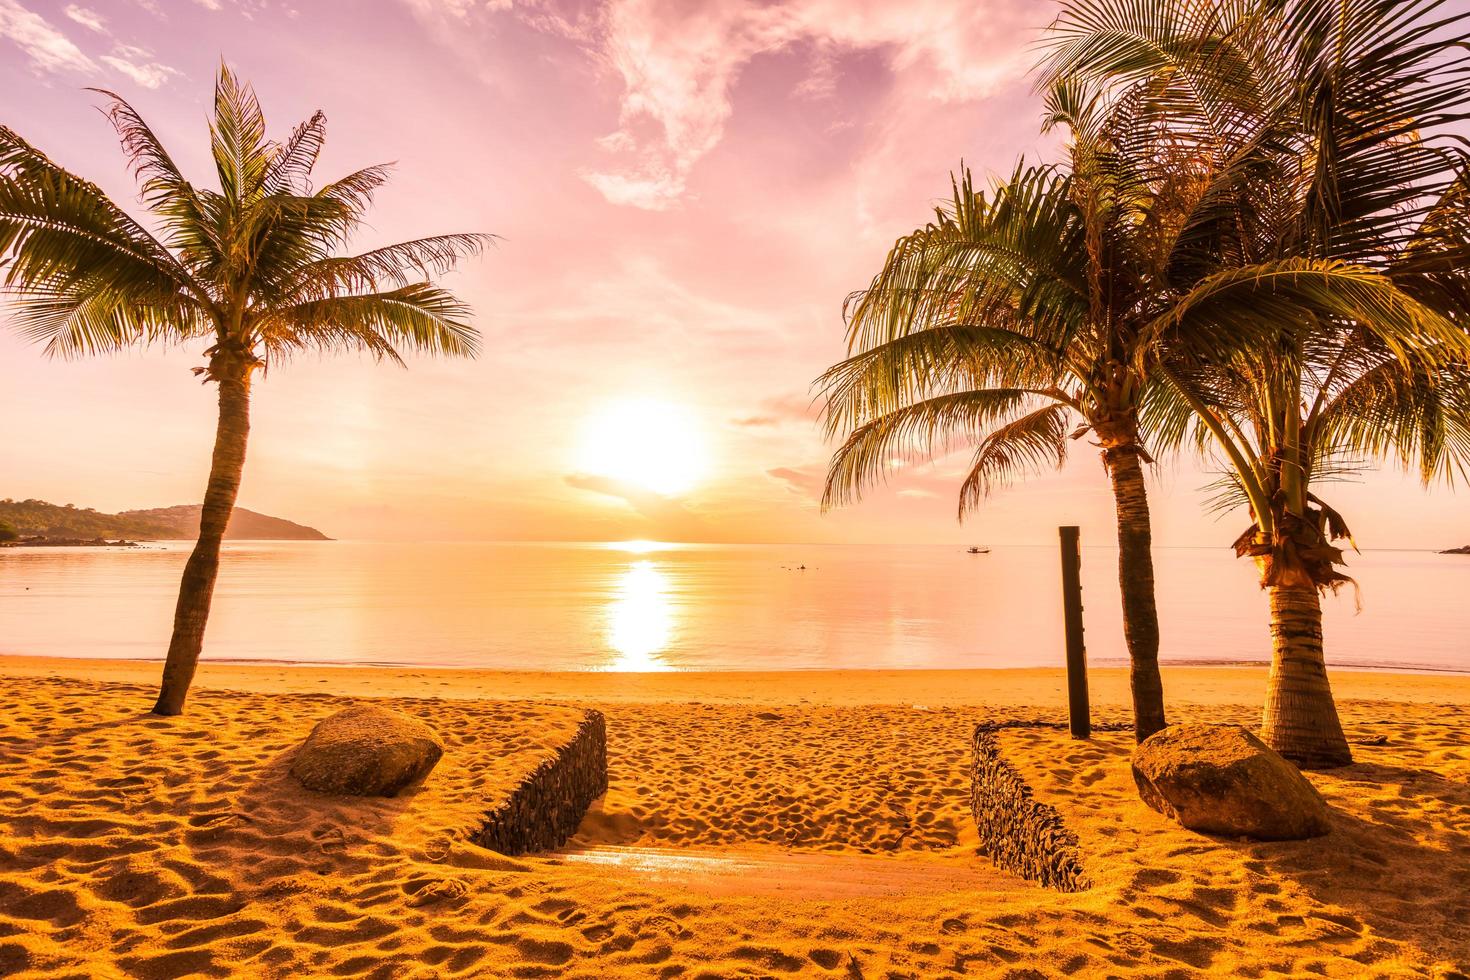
664 512
679 62
51 50
458 9
658 190
48 48
133 63
780 410
807 481
89 19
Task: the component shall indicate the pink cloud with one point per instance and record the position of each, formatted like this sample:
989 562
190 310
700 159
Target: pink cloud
47 47
779 410
805 481
89 19
137 64
678 63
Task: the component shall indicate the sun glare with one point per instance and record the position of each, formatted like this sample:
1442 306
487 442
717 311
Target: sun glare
648 443
641 619
638 546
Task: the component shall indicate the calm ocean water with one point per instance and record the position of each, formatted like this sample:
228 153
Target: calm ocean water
699 607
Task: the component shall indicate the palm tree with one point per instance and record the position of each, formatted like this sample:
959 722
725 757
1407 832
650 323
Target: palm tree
251 269
1008 320
1290 419
1341 218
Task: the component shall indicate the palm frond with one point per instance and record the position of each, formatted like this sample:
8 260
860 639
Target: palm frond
1016 248
238 143
923 429
391 265
930 362
1417 416
96 316
420 316
1022 447
1240 311
190 217
354 192
80 274
291 164
253 265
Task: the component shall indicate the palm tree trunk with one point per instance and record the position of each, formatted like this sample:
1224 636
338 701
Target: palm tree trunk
197 588
1136 579
1300 720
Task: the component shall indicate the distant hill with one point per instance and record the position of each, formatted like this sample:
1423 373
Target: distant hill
37 518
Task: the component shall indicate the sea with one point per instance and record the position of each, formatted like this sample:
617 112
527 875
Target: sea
650 606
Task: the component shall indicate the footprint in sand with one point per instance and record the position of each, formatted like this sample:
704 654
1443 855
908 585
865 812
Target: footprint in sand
330 838
220 820
442 890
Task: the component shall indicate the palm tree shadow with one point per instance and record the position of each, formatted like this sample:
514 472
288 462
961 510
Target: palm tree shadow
1397 858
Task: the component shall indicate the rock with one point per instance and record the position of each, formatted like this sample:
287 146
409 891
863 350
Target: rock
1221 779
1462 550
366 750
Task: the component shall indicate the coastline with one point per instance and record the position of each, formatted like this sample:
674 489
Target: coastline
1039 687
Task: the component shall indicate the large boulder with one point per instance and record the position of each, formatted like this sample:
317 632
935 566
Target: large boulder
366 750
1221 779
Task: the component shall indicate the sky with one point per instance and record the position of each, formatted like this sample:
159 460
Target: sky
684 190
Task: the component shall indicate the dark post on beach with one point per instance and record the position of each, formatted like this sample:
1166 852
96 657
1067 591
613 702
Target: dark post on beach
1076 653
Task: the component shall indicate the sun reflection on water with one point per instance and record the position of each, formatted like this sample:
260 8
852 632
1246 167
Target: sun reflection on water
640 619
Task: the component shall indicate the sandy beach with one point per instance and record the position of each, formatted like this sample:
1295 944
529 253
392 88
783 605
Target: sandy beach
781 824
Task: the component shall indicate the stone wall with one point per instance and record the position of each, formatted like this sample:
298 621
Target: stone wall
1020 834
545 808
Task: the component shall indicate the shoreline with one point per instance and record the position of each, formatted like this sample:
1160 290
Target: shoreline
1038 687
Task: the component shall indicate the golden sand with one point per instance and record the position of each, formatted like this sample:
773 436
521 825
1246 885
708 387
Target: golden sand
756 825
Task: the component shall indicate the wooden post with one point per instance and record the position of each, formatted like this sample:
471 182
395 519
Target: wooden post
1078 714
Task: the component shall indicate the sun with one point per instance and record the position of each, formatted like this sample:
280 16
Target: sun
646 442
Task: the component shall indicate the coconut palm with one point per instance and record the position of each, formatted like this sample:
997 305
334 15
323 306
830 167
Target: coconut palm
1330 120
1290 420
1018 320
251 270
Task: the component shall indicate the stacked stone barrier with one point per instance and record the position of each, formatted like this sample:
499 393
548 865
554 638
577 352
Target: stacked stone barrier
1020 834
544 809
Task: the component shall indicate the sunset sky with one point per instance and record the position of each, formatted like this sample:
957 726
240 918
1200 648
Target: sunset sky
685 192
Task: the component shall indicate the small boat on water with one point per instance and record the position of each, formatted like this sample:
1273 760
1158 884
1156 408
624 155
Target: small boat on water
976 550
